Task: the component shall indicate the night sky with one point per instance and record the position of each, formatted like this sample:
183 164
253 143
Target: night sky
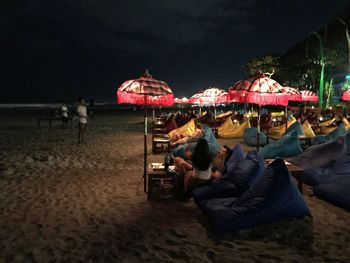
59 50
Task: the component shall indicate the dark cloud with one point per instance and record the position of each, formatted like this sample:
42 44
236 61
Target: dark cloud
53 49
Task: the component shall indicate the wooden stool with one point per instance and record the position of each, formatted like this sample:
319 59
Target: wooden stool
160 140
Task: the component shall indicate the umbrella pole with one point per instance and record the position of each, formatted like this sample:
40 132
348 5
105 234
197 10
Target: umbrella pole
258 128
286 115
145 150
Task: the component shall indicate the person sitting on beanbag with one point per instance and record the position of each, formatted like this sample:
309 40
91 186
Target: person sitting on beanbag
197 169
178 139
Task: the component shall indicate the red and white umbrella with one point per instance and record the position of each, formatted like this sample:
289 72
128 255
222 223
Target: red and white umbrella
260 90
210 96
182 101
308 95
145 91
293 93
196 98
346 95
213 96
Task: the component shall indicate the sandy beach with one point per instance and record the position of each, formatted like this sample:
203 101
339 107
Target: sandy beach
64 202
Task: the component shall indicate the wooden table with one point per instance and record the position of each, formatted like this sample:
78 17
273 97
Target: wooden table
159 177
294 170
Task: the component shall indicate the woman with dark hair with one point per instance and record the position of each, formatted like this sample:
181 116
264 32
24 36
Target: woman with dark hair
197 169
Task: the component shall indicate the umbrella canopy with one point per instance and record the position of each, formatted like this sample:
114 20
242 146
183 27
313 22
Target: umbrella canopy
293 93
308 95
196 98
183 100
147 91
212 96
346 95
260 90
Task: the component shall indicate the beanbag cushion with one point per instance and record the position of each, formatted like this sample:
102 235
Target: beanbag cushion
346 123
296 126
309 132
185 130
236 157
281 129
319 155
327 123
339 131
233 131
250 137
328 172
336 192
236 180
347 143
273 197
287 146
214 147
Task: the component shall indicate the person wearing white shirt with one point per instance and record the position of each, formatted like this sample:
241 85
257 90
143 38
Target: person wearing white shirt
83 119
64 115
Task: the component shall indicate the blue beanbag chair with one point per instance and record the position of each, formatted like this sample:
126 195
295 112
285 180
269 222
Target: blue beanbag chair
250 137
296 126
336 192
235 158
235 181
273 197
214 147
339 131
287 146
320 155
328 172
347 143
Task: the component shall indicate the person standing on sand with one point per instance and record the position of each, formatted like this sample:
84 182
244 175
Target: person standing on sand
83 119
64 115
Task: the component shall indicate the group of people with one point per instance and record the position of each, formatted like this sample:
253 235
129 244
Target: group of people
201 167
83 117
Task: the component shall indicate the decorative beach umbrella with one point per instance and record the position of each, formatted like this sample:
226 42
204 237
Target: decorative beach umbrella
210 96
145 91
293 95
214 96
308 95
181 101
346 95
196 99
260 90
